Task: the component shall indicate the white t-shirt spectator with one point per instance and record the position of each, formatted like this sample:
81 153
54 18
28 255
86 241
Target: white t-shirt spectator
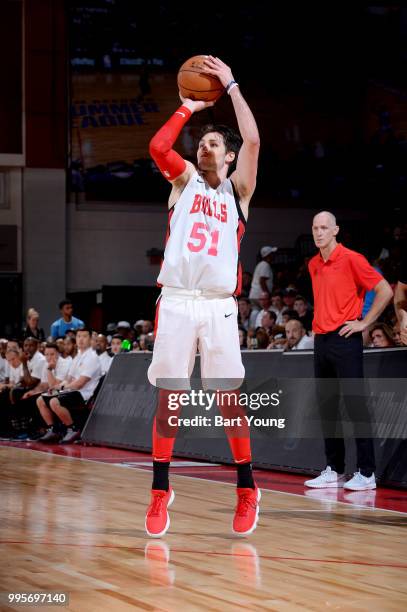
35 365
251 321
14 375
87 364
105 362
263 269
3 368
306 342
60 372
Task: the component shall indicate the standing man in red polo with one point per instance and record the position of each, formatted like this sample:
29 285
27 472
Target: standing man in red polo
340 278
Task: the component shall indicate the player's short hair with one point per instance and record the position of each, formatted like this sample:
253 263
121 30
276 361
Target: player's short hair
232 139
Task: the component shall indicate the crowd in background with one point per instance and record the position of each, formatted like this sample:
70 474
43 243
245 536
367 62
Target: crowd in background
275 312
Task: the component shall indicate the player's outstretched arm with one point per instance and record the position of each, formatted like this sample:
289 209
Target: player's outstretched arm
245 174
172 166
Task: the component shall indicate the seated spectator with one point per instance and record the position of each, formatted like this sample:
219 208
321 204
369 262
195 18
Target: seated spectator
265 304
21 395
70 348
14 374
305 315
104 357
262 338
60 342
123 329
246 283
3 360
277 305
381 336
247 315
75 390
116 344
67 321
32 329
297 339
262 280
268 321
289 296
93 341
135 347
55 369
147 327
242 338
289 315
397 335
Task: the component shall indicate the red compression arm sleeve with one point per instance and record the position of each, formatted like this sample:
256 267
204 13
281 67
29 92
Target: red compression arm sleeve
169 162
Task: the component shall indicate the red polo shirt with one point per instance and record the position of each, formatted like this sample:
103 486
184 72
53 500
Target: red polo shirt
339 285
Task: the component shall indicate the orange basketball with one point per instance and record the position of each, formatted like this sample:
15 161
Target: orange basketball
195 84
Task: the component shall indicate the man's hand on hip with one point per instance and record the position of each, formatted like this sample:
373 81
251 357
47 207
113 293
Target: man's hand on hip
352 327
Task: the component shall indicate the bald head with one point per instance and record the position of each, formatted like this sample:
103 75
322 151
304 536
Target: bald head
324 231
325 217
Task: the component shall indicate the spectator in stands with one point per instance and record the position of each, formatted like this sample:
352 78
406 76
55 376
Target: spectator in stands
297 338
247 315
21 396
93 340
32 329
242 337
77 388
289 296
247 278
396 334
265 304
147 327
123 329
381 336
101 350
263 275
14 374
262 338
288 315
400 299
277 305
116 344
14 370
135 347
268 322
138 327
60 342
66 322
70 348
304 314
3 360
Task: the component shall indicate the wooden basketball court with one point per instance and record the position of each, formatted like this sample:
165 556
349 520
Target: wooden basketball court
77 526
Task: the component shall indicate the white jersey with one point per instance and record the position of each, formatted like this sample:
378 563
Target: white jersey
205 229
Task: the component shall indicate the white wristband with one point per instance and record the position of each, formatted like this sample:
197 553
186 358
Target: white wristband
230 86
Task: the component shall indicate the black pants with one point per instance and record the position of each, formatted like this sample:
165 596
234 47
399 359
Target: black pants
337 357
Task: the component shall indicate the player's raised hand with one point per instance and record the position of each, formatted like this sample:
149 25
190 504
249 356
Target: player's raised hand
215 66
195 105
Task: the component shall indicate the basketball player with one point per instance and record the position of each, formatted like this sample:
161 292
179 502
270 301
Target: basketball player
200 276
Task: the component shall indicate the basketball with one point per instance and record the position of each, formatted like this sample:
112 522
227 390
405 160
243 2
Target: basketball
195 84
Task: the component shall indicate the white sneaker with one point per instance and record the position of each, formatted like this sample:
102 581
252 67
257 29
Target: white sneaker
327 478
360 483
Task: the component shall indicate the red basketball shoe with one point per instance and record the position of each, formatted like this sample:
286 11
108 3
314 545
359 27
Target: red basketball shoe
247 510
157 517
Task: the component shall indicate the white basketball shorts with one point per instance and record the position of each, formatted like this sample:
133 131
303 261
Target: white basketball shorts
191 320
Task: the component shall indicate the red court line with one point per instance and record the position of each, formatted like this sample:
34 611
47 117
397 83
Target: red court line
214 553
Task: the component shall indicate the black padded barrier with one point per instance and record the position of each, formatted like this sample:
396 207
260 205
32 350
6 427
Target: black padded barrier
125 408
